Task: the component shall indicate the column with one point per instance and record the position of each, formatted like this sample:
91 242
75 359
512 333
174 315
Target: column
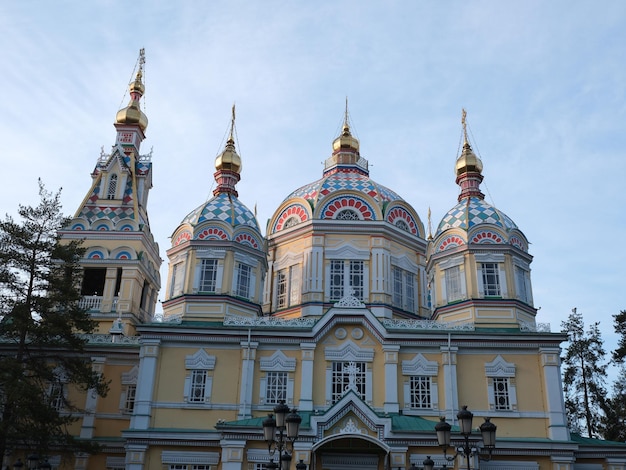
448 359
391 404
89 418
557 418
232 454
248 356
306 377
148 358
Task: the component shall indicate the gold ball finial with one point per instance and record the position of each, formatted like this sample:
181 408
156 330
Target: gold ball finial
132 114
229 160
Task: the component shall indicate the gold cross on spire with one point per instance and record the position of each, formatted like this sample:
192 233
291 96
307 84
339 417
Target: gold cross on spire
464 123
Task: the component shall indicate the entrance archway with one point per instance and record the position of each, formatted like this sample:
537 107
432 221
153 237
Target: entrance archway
350 452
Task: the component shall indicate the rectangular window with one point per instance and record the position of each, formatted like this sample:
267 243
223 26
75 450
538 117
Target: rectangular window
397 286
198 386
176 287
453 284
409 286
348 376
200 467
336 280
420 392
501 393
281 289
208 275
276 390
177 467
296 287
491 279
56 396
243 280
522 284
129 403
346 278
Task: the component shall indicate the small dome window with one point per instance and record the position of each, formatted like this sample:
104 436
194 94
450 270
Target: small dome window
291 221
347 214
402 225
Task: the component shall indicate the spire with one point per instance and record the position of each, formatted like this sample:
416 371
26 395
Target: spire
468 167
430 225
228 164
132 114
346 142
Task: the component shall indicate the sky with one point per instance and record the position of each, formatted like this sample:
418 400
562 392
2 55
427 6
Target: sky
543 83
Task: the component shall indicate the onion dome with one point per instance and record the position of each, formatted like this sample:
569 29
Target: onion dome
225 207
132 114
472 209
346 192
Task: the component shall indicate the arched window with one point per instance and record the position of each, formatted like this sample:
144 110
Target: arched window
347 214
112 187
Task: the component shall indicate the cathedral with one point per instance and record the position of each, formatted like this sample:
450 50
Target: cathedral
342 335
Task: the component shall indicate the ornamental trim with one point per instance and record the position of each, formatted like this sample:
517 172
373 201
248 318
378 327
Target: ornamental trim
236 320
427 325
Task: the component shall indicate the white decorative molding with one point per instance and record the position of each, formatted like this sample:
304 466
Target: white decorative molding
534 327
419 365
200 360
211 253
130 377
499 368
349 352
349 301
278 362
489 257
189 458
451 262
237 320
105 339
427 325
351 428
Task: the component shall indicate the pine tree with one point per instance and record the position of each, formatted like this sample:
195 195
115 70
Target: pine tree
619 323
584 375
42 346
614 420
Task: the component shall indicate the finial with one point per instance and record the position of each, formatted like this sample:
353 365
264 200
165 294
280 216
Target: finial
232 123
464 124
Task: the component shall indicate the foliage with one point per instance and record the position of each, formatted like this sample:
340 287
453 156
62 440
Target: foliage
619 323
584 375
614 419
42 355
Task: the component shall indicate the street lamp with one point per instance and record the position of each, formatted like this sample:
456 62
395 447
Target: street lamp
428 464
286 423
33 461
487 429
19 465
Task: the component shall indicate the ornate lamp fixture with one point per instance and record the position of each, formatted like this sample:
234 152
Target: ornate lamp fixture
280 432
487 429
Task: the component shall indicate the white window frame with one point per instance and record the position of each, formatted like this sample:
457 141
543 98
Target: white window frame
495 263
348 353
404 286
421 367
200 364
57 393
112 187
277 363
129 390
499 371
208 276
523 287
288 286
201 256
178 279
344 271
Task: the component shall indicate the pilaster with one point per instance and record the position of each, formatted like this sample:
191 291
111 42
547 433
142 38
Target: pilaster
557 418
306 378
391 404
248 356
148 358
448 359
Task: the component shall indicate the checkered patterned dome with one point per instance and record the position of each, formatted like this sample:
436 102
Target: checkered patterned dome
317 191
226 208
473 211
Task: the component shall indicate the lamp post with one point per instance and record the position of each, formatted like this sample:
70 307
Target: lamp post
487 429
280 431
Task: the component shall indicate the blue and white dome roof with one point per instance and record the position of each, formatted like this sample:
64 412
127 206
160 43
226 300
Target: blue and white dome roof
225 208
473 211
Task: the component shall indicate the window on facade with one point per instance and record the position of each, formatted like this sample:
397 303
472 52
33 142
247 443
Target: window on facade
348 376
243 280
276 390
208 275
453 284
111 190
403 289
198 386
176 287
291 222
347 214
281 289
491 279
129 402
56 396
346 277
522 284
288 286
501 393
401 224
420 392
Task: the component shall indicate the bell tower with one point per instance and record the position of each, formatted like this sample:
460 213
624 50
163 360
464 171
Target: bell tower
121 263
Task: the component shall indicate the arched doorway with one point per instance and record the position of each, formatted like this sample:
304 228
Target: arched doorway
350 452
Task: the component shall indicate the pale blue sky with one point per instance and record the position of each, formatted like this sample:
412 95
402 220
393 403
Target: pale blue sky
544 84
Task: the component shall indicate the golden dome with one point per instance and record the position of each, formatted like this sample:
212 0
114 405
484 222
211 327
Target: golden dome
346 140
229 159
468 161
132 114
